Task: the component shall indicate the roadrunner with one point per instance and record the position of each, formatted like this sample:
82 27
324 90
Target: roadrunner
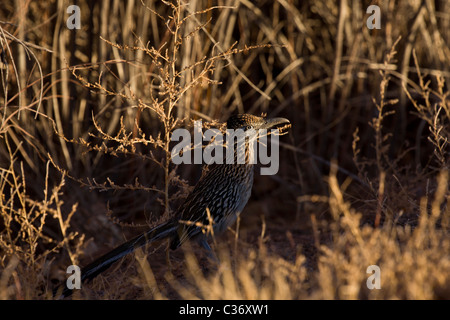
217 199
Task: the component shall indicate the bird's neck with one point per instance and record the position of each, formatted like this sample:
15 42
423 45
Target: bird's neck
241 149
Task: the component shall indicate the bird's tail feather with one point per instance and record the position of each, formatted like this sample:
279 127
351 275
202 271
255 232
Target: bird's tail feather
104 262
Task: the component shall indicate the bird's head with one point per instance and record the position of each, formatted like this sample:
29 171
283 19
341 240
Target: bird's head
247 121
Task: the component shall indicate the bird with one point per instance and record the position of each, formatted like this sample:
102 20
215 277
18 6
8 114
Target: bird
217 199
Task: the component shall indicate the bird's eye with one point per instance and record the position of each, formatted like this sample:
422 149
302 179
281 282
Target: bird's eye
248 127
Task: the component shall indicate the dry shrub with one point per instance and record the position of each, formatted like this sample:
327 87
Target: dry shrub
414 262
27 244
87 117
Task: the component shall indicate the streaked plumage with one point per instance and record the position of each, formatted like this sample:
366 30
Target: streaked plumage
224 190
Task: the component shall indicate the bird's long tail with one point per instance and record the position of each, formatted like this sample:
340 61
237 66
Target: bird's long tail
92 270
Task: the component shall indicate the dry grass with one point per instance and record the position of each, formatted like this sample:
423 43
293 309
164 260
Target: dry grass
87 116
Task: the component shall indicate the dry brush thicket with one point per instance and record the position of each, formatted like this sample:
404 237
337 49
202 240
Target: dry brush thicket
87 116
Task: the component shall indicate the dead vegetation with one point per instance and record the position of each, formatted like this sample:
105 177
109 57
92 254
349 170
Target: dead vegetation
87 116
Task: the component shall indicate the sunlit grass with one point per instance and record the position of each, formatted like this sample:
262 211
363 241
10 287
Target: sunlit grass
87 116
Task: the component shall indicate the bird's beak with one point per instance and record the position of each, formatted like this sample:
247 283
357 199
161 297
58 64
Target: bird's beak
282 124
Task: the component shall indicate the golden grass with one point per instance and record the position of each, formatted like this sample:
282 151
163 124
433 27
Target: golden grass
87 116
